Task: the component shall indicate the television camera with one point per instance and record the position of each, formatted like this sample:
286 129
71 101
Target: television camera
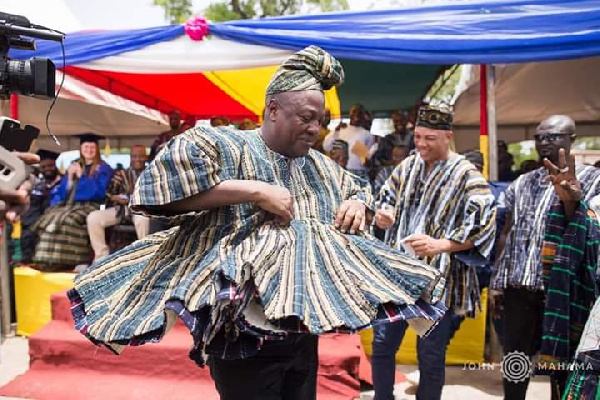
34 77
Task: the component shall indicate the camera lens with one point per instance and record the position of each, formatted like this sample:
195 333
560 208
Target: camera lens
20 79
34 77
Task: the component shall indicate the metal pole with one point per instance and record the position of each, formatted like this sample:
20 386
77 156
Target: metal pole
4 282
483 120
491 122
5 270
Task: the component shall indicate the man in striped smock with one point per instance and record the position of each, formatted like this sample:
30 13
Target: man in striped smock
439 208
268 250
517 285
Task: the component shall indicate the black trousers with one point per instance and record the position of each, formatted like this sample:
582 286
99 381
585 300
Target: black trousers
523 314
282 370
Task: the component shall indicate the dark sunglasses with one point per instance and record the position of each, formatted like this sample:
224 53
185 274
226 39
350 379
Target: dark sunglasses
551 137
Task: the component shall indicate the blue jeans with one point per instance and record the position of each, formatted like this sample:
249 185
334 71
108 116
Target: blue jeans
431 355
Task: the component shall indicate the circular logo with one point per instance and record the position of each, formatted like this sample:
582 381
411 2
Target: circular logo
516 366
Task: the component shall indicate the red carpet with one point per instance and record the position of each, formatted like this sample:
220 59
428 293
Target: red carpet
66 366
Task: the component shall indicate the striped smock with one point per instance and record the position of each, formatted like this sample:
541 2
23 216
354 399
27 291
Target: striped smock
233 273
452 202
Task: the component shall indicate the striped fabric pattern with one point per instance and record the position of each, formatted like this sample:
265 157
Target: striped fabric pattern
63 237
308 271
584 381
382 176
311 68
452 202
122 182
570 260
528 200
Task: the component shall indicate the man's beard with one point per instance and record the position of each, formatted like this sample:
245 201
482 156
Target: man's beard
51 177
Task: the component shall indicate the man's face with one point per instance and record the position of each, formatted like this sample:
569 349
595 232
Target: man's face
174 120
340 157
218 122
357 116
548 143
432 144
137 158
399 121
48 169
297 117
399 153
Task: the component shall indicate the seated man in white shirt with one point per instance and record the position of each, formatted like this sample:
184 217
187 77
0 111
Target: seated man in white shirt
117 195
356 136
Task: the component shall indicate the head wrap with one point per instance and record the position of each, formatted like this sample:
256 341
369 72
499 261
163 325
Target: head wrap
340 145
435 118
309 69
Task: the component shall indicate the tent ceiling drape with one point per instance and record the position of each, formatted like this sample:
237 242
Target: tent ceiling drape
82 108
463 32
528 93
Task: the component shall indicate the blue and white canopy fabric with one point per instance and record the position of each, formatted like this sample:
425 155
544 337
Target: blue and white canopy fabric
450 33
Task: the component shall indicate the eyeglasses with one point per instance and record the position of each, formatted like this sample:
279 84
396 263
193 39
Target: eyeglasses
551 137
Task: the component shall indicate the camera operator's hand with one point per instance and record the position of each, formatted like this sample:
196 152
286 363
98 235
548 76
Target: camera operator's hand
13 203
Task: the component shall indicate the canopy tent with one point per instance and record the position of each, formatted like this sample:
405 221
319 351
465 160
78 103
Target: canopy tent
370 44
528 93
85 108
216 76
483 32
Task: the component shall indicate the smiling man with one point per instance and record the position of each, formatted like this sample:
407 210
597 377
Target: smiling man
517 285
438 207
354 134
268 251
118 193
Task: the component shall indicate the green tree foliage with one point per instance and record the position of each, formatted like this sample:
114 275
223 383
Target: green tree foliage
442 91
176 11
247 9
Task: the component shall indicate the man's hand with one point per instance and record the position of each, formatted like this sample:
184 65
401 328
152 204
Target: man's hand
563 177
426 246
119 199
276 200
13 203
351 216
496 298
384 218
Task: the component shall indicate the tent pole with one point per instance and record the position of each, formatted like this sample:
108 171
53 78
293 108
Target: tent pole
483 120
14 106
488 143
5 269
491 121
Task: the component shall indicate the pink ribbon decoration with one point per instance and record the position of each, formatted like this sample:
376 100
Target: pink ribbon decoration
196 28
